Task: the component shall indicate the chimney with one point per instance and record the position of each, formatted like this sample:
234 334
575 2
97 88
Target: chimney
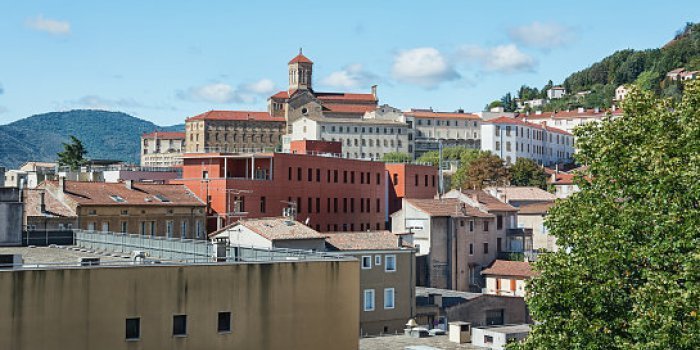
42 202
614 108
62 183
581 110
129 184
374 91
596 110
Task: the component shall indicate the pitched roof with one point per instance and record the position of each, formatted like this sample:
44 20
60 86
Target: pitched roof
345 97
349 108
370 240
441 115
103 193
518 121
561 179
489 202
300 58
452 207
535 208
275 229
522 193
53 207
236 115
167 135
509 268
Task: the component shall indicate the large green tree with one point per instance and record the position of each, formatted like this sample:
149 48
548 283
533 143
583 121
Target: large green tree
526 172
628 276
485 170
73 154
396 157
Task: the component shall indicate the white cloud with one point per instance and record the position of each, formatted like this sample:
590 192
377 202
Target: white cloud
502 58
223 93
98 102
424 66
542 35
51 26
261 87
351 76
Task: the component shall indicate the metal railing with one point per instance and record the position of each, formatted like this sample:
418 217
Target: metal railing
192 250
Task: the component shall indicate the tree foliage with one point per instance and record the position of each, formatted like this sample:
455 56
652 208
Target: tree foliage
396 157
73 154
526 172
486 169
631 278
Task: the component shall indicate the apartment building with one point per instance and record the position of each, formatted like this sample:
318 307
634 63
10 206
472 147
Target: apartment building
162 149
452 129
569 119
513 138
507 278
233 131
387 278
456 237
83 300
328 193
128 207
272 233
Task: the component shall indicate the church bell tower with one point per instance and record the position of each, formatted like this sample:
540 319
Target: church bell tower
300 71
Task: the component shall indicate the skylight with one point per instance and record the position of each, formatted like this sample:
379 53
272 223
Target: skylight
162 198
117 198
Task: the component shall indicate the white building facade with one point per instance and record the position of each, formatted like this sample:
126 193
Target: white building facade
511 138
162 149
451 128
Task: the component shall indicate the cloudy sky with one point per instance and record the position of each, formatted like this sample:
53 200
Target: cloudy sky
166 60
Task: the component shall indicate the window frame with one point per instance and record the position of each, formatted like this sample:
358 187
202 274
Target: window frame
366 266
387 265
393 298
365 294
126 328
218 322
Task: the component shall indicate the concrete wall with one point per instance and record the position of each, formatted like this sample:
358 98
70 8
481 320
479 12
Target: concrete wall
10 217
541 239
474 311
301 305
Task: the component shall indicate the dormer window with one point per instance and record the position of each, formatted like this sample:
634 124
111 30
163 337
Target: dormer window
162 198
117 198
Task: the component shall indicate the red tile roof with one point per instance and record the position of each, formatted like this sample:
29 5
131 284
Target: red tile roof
345 97
561 179
283 94
275 229
589 113
300 58
489 202
535 208
371 240
349 108
509 268
166 135
53 207
442 115
518 121
446 207
236 115
103 193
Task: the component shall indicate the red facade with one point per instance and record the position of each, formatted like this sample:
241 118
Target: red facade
333 194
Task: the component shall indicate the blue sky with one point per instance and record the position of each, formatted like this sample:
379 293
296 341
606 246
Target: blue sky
166 60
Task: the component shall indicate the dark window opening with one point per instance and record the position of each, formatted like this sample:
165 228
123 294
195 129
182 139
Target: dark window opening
133 328
180 325
224 324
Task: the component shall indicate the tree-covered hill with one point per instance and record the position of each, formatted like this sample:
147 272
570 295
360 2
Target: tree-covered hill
106 135
646 68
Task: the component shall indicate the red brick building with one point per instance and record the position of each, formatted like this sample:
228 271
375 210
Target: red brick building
333 194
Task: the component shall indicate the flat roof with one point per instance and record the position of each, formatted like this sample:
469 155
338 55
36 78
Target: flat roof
508 328
60 255
401 342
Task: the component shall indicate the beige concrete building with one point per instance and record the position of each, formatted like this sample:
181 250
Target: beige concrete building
452 129
117 305
387 278
507 278
532 216
162 149
146 209
233 131
456 236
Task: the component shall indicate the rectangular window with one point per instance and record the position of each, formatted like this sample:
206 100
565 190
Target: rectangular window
369 300
345 177
133 328
499 222
309 207
169 228
105 227
335 176
366 262
379 179
335 205
486 225
180 325
471 225
416 179
352 205
310 174
471 249
290 173
389 298
486 248
263 204
318 205
426 181
352 177
318 175
378 205
298 174
390 263
183 229
298 204
224 322
345 205
124 226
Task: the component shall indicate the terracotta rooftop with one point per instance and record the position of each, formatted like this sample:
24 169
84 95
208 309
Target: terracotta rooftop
370 240
522 193
588 113
53 207
166 135
103 193
236 115
561 179
300 58
509 268
489 202
345 97
349 108
535 208
442 115
275 229
519 121
452 207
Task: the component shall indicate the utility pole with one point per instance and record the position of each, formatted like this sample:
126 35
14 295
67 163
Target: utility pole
236 213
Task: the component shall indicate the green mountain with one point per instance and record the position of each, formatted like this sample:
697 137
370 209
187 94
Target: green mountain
646 68
106 135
